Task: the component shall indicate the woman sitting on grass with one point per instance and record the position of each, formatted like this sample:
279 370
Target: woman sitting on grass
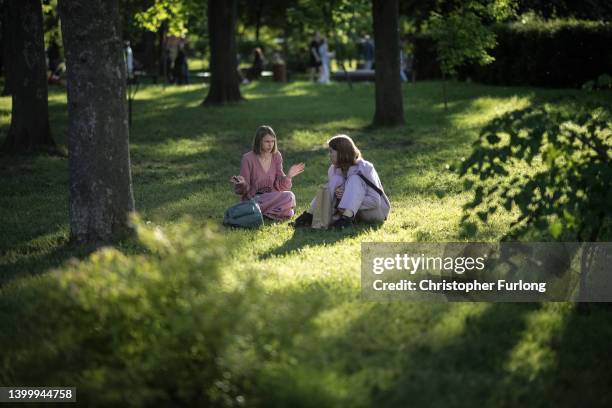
262 177
358 192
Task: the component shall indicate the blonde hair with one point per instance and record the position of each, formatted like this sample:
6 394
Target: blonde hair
260 133
348 153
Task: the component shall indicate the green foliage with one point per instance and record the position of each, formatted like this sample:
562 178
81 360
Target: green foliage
500 10
569 187
152 329
460 37
351 19
602 82
51 22
418 12
461 34
172 13
343 22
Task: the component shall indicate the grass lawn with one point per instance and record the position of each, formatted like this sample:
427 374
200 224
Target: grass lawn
327 347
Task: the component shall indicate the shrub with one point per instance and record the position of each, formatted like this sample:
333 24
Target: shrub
603 82
152 329
557 53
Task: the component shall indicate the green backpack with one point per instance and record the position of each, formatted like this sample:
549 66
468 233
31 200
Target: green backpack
246 214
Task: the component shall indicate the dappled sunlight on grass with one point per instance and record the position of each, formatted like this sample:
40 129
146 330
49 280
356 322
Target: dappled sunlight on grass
182 153
484 109
179 147
147 92
304 138
535 353
314 335
57 95
291 92
453 323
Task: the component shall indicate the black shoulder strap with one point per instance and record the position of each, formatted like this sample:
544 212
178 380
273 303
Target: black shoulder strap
369 183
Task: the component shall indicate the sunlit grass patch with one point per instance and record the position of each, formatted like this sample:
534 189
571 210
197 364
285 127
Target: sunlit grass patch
305 337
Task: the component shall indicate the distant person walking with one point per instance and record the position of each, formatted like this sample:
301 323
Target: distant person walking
368 52
181 71
403 59
314 57
129 60
54 62
325 61
256 68
53 53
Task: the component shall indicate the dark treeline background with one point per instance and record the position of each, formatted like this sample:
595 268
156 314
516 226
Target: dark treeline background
562 28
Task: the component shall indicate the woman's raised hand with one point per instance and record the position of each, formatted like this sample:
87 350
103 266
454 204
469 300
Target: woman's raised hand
296 169
237 180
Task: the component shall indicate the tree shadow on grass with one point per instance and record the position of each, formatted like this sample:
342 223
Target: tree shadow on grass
303 237
503 357
581 375
467 369
398 354
36 264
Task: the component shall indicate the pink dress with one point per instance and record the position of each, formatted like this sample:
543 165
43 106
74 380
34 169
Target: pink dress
271 189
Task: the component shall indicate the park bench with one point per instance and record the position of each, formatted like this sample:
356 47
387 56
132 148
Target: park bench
356 75
205 76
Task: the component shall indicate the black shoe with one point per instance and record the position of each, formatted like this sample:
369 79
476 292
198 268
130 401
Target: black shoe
304 220
343 222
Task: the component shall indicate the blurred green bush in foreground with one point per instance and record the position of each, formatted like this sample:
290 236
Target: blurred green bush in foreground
158 328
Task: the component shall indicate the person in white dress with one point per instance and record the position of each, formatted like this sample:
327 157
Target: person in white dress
324 54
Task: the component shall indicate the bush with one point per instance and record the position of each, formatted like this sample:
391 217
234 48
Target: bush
152 329
602 83
558 53
170 327
569 187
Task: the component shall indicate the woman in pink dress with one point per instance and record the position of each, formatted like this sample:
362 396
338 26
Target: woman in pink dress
262 177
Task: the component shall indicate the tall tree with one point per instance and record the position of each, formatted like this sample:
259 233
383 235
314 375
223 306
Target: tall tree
26 70
100 177
224 86
389 101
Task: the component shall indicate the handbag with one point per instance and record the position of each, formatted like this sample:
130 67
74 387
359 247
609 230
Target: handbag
246 214
375 214
323 208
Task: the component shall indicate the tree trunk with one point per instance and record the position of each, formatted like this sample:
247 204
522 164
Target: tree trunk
26 78
161 51
224 86
444 96
100 178
260 5
149 57
389 101
5 46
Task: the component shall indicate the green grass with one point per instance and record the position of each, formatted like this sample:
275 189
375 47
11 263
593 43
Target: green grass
330 348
